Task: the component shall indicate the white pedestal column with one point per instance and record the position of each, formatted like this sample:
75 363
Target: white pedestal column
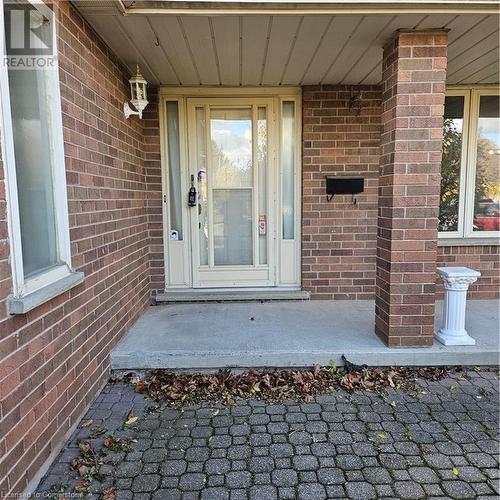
456 283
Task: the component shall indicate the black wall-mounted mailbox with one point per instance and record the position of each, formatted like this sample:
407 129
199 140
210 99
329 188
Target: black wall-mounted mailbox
344 185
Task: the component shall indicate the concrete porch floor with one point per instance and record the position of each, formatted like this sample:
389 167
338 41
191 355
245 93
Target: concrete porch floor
286 334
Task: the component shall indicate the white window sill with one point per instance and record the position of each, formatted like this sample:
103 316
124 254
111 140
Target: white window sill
27 302
468 242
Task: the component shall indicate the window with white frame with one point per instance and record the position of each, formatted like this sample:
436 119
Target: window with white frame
470 170
32 146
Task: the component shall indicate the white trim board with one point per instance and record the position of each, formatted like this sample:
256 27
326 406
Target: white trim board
178 267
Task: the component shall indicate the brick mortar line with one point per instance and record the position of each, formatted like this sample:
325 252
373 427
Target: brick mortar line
111 231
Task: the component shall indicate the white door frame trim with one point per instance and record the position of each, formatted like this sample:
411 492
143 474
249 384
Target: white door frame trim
177 260
251 92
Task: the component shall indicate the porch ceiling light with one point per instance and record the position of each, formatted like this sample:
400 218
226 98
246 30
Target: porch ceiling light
139 95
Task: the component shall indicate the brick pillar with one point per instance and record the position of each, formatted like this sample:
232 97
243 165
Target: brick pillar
413 86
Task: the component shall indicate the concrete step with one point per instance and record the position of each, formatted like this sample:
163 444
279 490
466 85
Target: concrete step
289 334
231 295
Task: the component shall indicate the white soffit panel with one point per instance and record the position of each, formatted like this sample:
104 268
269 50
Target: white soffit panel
312 32
431 21
282 39
228 45
481 68
285 49
198 32
172 41
255 32
364 36
331 46
148 48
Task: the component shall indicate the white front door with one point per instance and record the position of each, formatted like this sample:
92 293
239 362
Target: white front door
231 167
238 150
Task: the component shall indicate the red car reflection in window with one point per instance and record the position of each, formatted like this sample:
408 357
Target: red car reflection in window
488 218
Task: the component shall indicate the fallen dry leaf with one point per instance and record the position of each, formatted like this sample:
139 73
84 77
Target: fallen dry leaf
87 423
140 386
278 385
116 443
131 420
97 431
75 463
108 442
82 487
85 448
108 493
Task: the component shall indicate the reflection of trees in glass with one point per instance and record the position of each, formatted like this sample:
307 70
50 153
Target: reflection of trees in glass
227 172
487 170
238 172
261 142
450 176
487 188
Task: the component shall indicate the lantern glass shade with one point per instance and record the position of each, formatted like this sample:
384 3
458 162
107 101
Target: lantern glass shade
138 90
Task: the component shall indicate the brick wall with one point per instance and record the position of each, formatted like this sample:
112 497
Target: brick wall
152 163
339 238
54 360
485 259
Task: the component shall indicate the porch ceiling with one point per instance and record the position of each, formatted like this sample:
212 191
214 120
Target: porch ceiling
250 49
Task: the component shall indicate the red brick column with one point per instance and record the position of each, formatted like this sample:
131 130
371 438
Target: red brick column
413 85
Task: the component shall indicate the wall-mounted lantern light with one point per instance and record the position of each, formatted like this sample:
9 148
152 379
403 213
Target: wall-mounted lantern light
139 95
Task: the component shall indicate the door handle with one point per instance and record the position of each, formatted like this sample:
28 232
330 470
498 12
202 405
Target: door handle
192 197
192 194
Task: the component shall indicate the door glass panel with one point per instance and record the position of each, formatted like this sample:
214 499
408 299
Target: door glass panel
451 163
487 189
174 170
201 168
231 148
288 159
262 172
232 209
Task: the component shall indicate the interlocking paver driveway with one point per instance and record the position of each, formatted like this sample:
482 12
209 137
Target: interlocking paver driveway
441 442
